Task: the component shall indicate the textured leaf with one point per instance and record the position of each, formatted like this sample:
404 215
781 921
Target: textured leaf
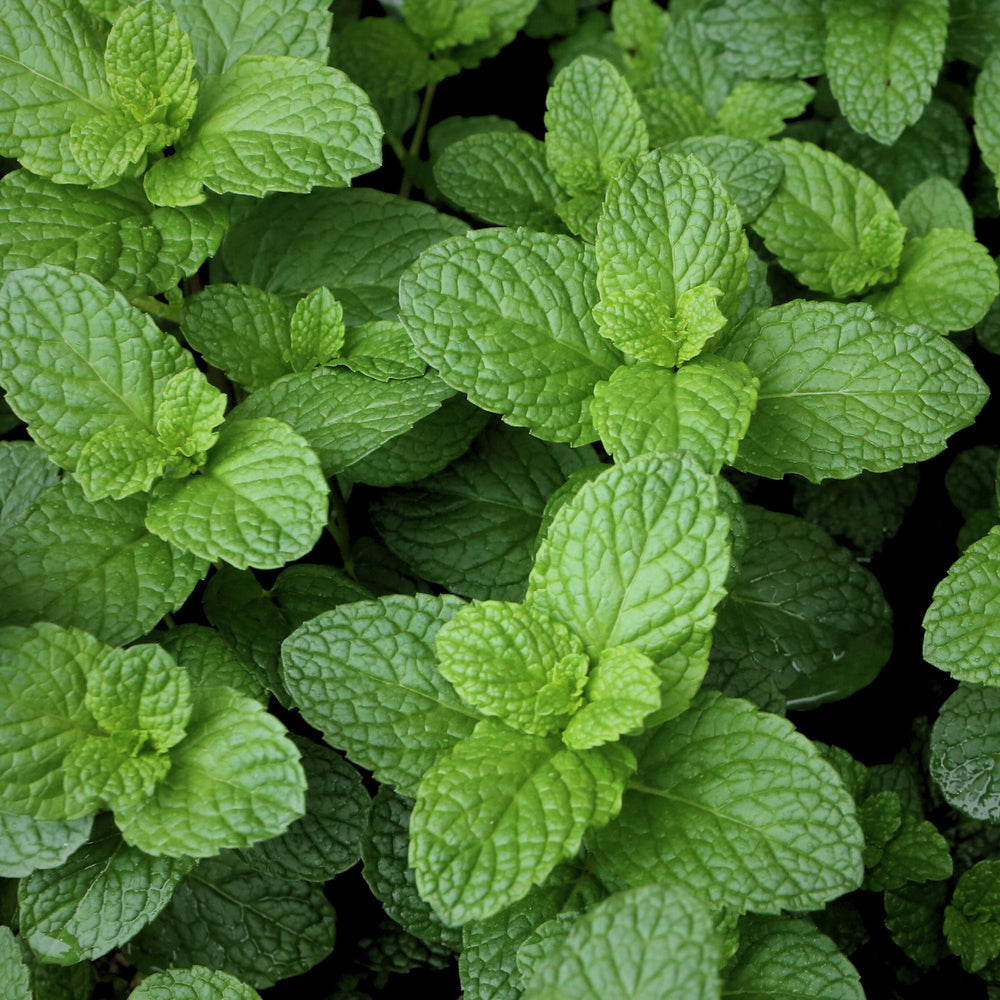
196 983
383 57
638 557
986 112
24 473
495 815
91 565
228 917
270 123
113 145
735 804
234 779
935 203
188 413
971 924
758 109
704 408
365 674
120 460
382 350
209 660
671 258
28 845
671 116
14 976
260 500
914 915
316 330
843 388
915 853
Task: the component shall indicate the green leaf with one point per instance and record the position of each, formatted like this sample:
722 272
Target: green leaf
961 633
964 751
946 282
187 414
593 125
366 675
514 663
935 203
914 915
736 805
51 74
382 350
91 565
704 408
642 944
14 977
76 358
316 330
472 527
505 317
915 853
270 123
789 960
671 258
639 557
801 610
971 924
234 779
882 61
228 917
121 460
98 899
383 57
671 116
28 845
495 815
24 473
757 109
502 178
843 388
196 983
209 660
829 224
260 499
986 113
112 145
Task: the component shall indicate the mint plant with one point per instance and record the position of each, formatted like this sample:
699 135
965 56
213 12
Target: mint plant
484 517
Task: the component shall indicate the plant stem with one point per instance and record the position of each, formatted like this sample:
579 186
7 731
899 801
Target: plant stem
158 309
338 528
418 135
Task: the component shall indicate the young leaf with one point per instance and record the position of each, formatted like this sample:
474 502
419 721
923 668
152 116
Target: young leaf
671 258
316 330
915 853
971 924
110 146
121 460
935 203
28 845
196 983
187 414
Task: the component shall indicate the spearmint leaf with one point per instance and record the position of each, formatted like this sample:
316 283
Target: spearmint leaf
187 414
946 282
641 944
260 500
28 845
91 565
757 109
829 224
505 317
270 123
514 663
24 473
502 178
316 330
120 460
494 816
383 57
961 632
883 61
112 145
14 977
51 74
382 350
671 116
704 407
915 853
209 660
788 960
622 689
639 557
196 983
873 394
802 610
593 125
935 203
76 358
671 258
366 675
971 924
914 916
472 527
113 234
751 841
98 899
964 751
226 916
234 779
327 839
986 112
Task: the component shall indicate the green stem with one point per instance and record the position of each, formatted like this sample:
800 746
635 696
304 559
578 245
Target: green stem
418 135
158 309
338 528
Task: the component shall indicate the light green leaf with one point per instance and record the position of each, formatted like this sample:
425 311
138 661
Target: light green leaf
366 675
196 983
738 806
384 58
505 317
843 388
28 845
24 473
14 977
704 408
639 557
209 660
965 749
121 460
757 109
382 350
494 816
622 689
110 146
228 917
671 258
972 919
935 203
642 944
962 625
671 116
234 779
92 565
76 358
51 74
514 663
260 500
187 414
986 112
316 330
788 960
593 125
270 123
946 282
882 61
97 900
